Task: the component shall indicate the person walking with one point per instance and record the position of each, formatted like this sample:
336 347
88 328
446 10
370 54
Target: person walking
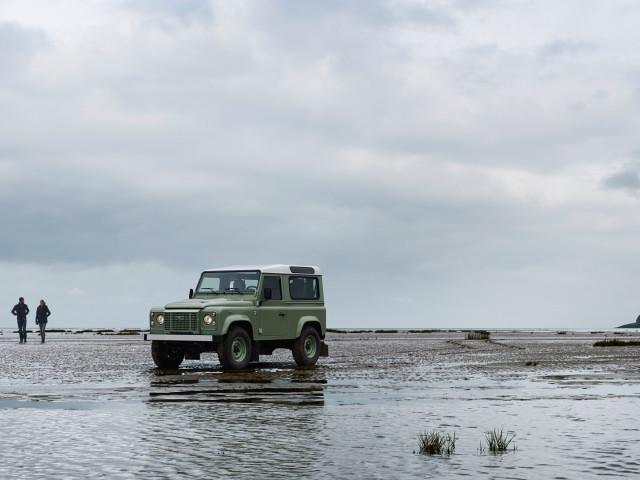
21 311
42 315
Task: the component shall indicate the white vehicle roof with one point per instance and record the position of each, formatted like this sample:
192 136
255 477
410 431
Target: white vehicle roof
281 268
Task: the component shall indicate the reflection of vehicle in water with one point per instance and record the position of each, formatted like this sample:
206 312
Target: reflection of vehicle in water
242 313
268 383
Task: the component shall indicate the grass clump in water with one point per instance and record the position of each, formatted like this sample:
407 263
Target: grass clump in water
436 443
498 441
478 335
616 343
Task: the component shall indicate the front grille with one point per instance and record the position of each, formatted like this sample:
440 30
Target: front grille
181 321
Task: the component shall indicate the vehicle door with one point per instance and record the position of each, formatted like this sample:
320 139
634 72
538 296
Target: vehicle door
273 314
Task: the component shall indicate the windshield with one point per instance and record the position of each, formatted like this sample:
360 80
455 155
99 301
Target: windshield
228 282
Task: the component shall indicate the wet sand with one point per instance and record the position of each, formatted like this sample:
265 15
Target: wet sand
95 406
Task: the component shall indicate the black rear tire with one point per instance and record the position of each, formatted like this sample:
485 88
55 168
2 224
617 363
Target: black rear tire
234 351
166 354
306 348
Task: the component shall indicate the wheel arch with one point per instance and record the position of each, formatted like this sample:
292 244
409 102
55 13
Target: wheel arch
238 321
311 321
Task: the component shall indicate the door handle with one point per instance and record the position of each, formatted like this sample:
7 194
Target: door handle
281 314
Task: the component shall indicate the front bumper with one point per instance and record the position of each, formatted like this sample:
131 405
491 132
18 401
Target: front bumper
183 338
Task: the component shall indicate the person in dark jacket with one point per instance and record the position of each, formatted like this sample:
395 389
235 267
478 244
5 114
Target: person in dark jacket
42 315
21 311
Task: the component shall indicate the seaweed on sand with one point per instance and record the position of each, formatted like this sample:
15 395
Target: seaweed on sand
126 331
616 343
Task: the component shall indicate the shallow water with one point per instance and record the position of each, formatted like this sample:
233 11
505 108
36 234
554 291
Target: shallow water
92 406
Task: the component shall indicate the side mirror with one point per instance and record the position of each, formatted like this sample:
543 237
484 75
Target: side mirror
267 293
191 293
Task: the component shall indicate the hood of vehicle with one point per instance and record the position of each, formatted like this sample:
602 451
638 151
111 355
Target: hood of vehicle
198 303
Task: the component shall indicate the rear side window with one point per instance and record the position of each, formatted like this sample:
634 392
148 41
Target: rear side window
304 288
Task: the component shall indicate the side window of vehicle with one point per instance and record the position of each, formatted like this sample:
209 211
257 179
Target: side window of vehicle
304 288
274 284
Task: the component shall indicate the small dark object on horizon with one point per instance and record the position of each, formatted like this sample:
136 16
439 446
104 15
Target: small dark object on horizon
478 335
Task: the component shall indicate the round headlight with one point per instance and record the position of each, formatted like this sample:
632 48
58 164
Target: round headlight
208 320
160 319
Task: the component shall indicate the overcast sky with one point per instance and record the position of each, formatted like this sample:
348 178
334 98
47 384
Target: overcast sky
470 163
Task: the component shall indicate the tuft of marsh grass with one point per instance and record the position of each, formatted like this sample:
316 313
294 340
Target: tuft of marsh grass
436 443
498 441
616 343
478 335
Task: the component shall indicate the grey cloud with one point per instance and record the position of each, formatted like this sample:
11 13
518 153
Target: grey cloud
565 47
352 34
428 17
474 5
213 88
628 178
269 212
375 13
601 94
166 11
364 11
18 45
483 50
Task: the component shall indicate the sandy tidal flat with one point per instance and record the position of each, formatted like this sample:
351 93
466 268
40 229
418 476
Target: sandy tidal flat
92 406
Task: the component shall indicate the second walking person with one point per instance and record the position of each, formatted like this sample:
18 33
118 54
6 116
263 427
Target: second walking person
42 315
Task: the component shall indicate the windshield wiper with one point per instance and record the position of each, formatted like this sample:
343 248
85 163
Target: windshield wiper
211 290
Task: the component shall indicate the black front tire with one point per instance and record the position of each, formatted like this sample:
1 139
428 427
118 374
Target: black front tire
306 348
166 354
235 350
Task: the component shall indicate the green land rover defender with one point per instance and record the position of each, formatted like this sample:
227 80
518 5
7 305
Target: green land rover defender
242 313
